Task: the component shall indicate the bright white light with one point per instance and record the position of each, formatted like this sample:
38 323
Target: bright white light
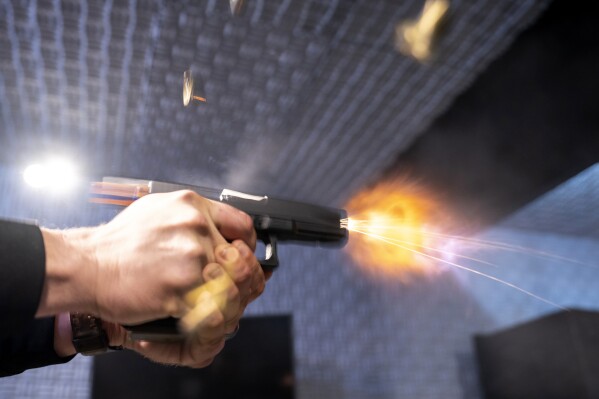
56 175
35 175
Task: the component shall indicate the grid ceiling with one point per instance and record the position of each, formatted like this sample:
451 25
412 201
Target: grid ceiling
307 100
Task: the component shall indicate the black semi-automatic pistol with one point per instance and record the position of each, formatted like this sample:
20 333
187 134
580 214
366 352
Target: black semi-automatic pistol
274 220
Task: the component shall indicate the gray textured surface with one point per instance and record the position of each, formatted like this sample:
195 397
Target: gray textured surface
560 210
306 100
71 380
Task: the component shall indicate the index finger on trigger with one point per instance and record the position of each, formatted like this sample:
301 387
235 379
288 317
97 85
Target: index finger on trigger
233 224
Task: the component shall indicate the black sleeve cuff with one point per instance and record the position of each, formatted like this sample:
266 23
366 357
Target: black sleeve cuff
22 272
31 348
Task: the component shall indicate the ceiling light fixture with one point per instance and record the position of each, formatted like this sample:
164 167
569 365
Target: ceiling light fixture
57 175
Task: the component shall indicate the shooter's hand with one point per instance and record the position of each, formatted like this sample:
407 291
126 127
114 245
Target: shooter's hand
218 305
148 261
154 253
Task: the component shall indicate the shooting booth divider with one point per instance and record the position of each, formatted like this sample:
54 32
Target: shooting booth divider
256 363
553 357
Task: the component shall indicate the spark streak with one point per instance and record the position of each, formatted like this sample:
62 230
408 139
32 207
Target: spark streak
396 224
395 243
353 225
492 244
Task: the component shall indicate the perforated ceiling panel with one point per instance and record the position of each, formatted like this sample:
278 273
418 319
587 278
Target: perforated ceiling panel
307 100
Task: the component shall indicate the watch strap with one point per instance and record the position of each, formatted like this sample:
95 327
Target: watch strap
89 338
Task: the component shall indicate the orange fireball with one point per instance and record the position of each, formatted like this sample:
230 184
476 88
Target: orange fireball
388 227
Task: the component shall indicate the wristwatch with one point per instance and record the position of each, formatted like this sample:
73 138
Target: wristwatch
89 338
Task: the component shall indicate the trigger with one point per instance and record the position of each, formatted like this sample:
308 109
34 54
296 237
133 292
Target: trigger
271 258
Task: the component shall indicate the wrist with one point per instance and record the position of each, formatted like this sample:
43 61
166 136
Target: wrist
69 283
63 335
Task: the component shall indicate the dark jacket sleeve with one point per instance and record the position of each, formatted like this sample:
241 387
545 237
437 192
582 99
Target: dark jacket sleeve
31 347
24 341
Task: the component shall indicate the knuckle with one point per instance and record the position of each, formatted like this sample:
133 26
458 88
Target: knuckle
186 195
246 221
246 252
175 282
233 294
215 320
242 273
183 278
194 251
247 266
211 271
198 221
174 307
